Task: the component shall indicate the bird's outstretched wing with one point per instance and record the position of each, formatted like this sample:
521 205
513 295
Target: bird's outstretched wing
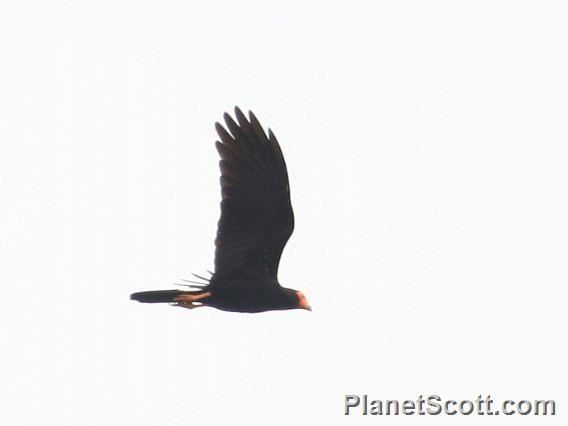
256 214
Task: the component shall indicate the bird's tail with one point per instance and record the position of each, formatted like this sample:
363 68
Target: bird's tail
160 296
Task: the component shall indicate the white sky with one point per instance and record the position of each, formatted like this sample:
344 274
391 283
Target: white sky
426 143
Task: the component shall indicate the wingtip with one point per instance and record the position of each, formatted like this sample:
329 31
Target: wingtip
241 118
218 127
232 126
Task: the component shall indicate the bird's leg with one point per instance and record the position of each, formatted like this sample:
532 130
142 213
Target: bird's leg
187 300
186 305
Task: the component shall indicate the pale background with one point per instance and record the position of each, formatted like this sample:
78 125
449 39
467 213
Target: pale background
426 143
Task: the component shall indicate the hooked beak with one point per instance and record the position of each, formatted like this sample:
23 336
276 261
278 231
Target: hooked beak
302 302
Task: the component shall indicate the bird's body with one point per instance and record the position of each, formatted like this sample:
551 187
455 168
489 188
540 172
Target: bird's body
250 295
256 222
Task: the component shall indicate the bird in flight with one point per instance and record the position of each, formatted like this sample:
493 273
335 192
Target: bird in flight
256 222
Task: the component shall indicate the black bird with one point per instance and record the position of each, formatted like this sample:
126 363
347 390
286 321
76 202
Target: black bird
256 222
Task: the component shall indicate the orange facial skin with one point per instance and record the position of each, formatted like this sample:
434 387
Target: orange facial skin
302 302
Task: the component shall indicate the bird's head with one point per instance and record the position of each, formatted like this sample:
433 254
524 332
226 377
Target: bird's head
302 301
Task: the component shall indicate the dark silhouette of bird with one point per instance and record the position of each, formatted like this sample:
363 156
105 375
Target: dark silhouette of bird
256 222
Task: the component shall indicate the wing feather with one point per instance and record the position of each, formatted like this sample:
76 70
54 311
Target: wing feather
256 214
